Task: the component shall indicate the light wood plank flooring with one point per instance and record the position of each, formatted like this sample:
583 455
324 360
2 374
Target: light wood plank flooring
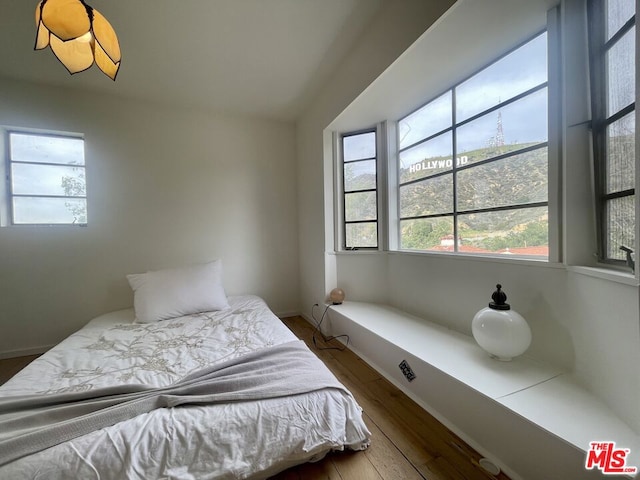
10 366
407 442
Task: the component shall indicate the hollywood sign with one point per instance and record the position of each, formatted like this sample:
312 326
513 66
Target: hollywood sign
432 164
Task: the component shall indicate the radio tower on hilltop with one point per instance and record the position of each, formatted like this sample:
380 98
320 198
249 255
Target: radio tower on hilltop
498 139
499 132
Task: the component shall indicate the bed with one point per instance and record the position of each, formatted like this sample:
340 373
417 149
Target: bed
197 438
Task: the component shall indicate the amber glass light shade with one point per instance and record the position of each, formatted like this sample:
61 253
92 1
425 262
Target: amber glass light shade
336 296
78 35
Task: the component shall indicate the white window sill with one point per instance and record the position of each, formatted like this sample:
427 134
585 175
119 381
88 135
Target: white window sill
626 278
356 252
517 260
455 256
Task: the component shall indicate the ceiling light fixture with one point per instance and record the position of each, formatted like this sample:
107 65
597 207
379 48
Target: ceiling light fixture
78 35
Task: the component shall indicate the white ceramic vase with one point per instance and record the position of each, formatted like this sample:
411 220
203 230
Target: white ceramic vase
500 331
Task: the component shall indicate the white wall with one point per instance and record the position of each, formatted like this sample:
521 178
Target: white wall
166 187
392 30
364 276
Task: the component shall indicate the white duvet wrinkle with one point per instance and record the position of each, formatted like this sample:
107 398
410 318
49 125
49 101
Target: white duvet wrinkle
140 443
77 466
185 466
163 456
86 463
266 426
328 419
117 450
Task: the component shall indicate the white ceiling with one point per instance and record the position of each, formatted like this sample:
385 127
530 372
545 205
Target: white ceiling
266 58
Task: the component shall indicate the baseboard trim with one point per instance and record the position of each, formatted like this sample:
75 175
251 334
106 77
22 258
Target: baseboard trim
24 352
287 314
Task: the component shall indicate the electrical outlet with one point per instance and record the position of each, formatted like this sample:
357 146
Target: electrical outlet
407 371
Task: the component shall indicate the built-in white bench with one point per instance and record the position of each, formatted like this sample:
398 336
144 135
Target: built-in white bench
529 417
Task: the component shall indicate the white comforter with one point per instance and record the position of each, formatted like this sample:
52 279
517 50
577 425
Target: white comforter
238 440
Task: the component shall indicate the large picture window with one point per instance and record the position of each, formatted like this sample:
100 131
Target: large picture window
46 179
473 162
612 53
359 179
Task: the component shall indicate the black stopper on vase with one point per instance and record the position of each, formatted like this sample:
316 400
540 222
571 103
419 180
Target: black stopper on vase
499 300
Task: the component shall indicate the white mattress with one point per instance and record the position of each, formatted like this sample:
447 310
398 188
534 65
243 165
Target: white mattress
238 440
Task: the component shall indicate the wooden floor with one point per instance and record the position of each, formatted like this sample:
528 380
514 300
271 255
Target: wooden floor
407 443
11 366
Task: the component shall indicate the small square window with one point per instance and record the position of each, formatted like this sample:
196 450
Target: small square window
46 179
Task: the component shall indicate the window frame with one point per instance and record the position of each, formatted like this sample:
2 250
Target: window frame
549 144
343 192
9 195
598 46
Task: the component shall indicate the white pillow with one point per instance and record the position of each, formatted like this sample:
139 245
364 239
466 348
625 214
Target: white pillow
175 292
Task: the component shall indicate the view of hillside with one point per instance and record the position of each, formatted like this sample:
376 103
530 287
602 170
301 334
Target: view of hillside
518 179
